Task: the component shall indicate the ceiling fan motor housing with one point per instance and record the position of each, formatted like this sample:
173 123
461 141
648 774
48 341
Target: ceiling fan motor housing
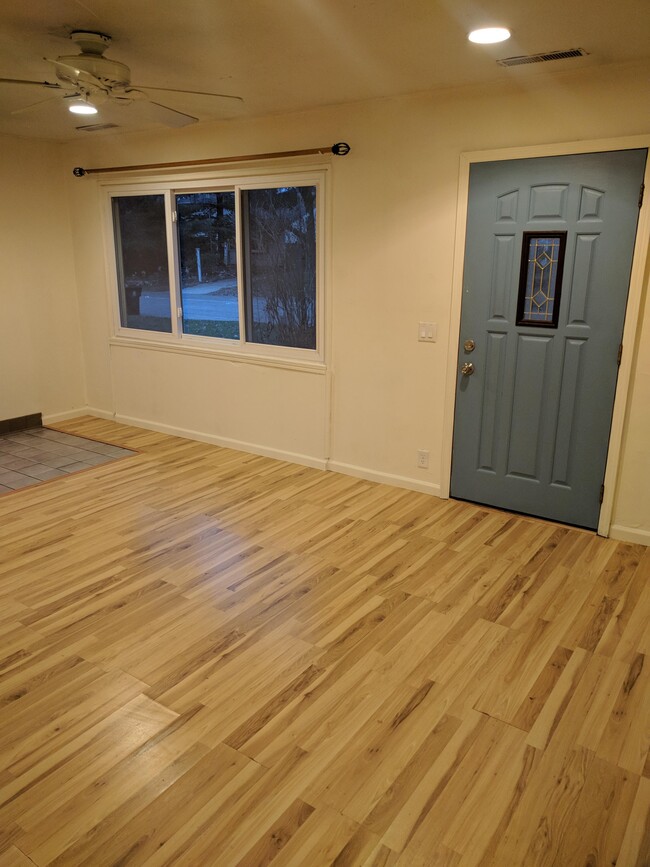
112 73
91 42
109 72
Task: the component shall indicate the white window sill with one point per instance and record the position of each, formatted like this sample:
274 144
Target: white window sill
236 356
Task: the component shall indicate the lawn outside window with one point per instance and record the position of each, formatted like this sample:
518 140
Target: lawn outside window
225 265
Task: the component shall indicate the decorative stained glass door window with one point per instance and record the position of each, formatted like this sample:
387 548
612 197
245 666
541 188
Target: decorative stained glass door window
540 278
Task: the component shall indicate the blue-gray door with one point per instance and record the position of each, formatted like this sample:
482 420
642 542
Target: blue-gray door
547 267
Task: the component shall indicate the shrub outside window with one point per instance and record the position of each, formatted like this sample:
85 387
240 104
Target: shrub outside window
280 265
228 267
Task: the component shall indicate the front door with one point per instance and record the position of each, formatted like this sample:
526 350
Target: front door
547 266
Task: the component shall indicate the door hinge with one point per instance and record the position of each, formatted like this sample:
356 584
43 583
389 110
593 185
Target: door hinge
175 216
641 192
620 354
602 494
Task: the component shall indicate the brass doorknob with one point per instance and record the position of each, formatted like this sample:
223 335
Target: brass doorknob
467 369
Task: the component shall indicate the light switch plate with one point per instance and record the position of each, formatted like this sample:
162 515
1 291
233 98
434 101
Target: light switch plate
427 332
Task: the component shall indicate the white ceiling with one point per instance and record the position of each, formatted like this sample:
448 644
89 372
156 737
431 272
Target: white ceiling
287 55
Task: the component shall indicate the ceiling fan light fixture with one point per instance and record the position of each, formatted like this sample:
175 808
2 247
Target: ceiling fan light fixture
489 35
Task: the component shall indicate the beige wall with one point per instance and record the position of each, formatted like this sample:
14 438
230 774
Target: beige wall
41 365
393 211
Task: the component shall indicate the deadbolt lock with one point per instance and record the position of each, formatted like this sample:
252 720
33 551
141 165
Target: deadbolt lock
469 346
467 369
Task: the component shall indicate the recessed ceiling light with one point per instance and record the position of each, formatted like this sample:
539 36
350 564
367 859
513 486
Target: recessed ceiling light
487 35
82 108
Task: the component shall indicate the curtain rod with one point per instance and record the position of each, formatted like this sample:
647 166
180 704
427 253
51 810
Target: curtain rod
340 149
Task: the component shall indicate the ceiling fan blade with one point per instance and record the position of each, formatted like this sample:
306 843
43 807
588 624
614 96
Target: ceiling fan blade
168 116
36 105
34 83
136 107
193 92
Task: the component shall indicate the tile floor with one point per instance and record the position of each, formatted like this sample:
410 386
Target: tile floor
35 455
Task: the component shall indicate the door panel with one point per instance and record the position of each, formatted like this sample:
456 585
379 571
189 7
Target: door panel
532 366
585 255
566 421
548 202
502 271
532 421
494 371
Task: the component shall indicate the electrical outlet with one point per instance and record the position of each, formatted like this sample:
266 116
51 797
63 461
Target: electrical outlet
423 459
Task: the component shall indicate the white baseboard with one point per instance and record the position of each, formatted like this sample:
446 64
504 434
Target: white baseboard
385 478
629 534
407 482
100 413
225 442
53 418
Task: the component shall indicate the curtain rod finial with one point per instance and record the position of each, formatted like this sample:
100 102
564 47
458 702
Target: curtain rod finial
78 172
341 148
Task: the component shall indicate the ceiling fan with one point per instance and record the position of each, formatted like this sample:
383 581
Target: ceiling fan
89 81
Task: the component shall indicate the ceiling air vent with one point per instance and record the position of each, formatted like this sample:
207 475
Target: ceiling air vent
97 127
542 58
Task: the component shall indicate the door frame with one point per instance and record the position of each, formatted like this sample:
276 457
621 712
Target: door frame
631 327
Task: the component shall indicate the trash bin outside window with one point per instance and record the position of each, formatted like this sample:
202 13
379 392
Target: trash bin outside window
132 292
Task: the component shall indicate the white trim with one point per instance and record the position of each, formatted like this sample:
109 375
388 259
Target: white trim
191 177
173 264
54 417
632 323
100 413
224 442
631 329
241 279
171 184
318 367
384 478
327 300
629 534
462 200
617 531
369 475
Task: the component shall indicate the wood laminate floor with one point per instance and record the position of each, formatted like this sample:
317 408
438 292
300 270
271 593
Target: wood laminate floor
213 658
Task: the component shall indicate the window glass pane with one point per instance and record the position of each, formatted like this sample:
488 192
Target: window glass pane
208 264
279 230
142 270
541 278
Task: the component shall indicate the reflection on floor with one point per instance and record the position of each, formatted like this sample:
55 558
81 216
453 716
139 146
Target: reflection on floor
215 659
36 455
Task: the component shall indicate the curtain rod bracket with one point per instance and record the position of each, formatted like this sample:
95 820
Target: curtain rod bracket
340 149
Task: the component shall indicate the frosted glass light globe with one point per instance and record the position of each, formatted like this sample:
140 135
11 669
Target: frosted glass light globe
488 35
82 108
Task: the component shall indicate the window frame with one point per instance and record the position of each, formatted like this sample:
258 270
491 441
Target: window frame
177 341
